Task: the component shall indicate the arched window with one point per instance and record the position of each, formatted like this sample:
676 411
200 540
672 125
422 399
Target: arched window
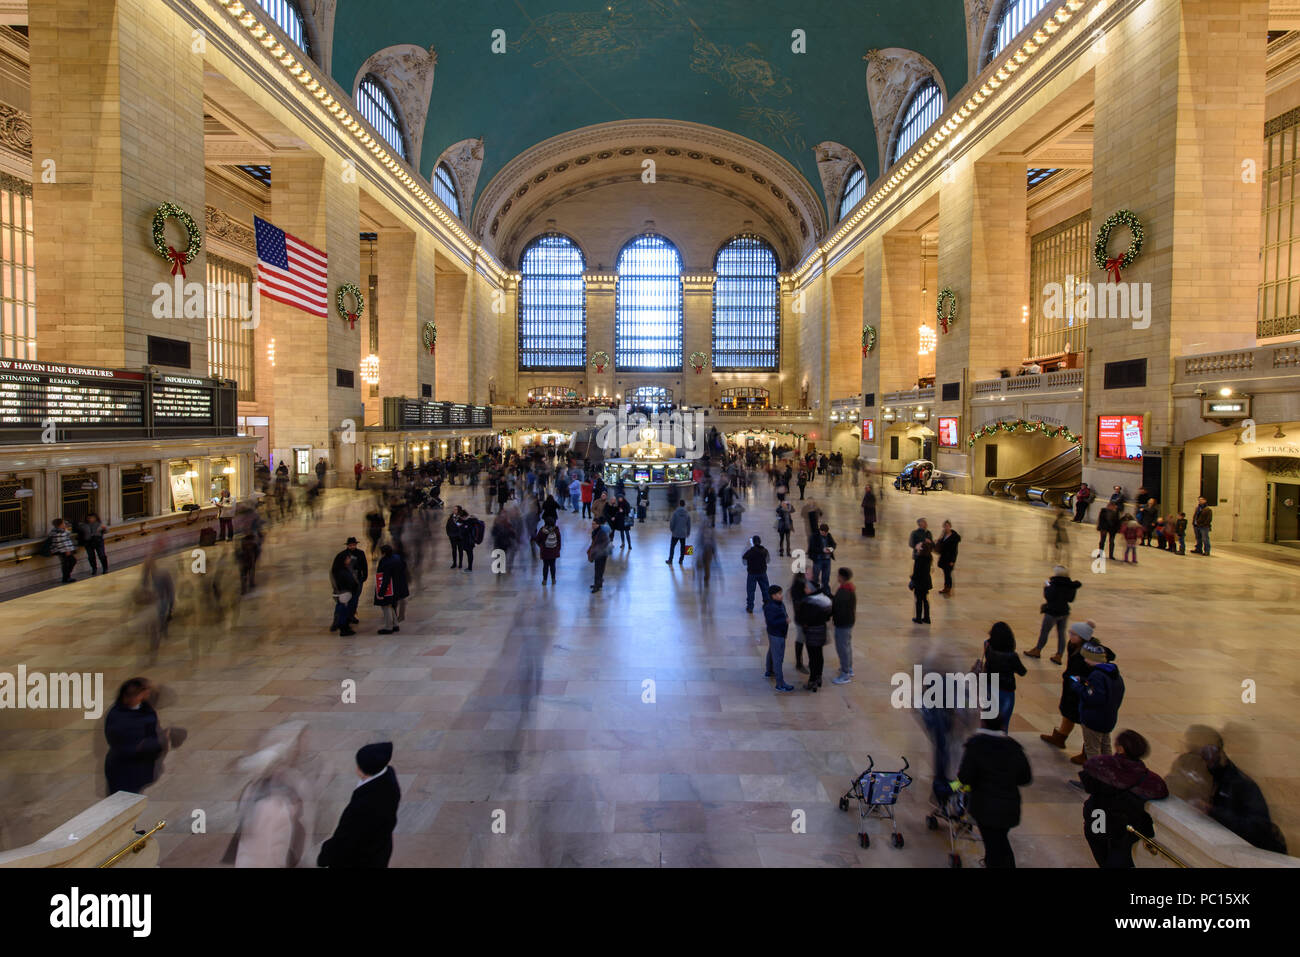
288 18
380 112
1012 19
648 306
855 187
652 398
444 187
922 110
552 305
746 307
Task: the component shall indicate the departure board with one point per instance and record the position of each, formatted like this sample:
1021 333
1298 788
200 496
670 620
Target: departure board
30 400
175 403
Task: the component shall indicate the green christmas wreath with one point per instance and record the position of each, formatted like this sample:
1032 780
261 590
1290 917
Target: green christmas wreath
1101 255
600 360
353 290
179 260
430 336
868 339
698 360
946 316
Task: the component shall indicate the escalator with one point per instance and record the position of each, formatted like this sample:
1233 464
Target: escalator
1048 482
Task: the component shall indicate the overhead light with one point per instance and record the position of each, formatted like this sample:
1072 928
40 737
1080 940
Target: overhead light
370 369
1225 392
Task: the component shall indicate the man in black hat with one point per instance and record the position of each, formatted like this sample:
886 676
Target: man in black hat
364 836
348 574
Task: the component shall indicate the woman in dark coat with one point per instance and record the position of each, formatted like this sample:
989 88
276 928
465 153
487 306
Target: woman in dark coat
869 512
947 549
550 509
623 521
1119 785
920 583
391 588
135 740
1000 659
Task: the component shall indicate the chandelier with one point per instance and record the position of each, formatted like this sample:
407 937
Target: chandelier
929 340
370 369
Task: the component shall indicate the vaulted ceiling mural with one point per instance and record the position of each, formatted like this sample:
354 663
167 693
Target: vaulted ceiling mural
726 63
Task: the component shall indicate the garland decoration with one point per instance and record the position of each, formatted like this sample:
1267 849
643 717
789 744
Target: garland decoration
430 336
868 339
353 290
1101 255
600 360
698 361
1026 426
948 315
178 259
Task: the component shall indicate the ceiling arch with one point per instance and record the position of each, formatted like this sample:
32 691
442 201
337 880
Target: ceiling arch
514 205
518 72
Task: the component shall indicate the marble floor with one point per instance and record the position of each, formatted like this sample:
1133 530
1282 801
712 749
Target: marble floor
503 696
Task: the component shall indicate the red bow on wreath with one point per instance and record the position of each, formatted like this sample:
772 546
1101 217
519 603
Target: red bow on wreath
178 261
433 347
599 368
352 319
1112 267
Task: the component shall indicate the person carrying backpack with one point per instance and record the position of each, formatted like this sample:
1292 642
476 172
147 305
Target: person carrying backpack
784 526
598 555
471 534
1100 696
548 544
1058 592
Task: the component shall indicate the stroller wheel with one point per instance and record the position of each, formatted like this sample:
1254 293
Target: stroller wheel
954 860
844 804
931 823
864 840
898 840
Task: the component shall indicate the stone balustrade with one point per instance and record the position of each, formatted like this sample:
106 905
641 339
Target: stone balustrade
1261 362
1200 841
1063 379
92 838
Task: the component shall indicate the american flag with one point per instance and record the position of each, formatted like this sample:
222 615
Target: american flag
290 271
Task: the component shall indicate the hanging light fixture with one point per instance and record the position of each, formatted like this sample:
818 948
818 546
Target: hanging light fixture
929 339
270 352
370 369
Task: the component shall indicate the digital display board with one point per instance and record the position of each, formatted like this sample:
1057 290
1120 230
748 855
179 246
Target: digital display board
1119 437
949 432
868 430
83 403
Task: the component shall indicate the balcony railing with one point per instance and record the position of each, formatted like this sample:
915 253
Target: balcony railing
910 397
1063 380
1261 362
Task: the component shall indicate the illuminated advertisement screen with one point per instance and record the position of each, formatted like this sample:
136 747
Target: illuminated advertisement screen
868 430
949 432
1119 437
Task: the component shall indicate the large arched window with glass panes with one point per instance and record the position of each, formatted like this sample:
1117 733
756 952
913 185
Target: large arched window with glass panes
377 106
552 305
444 187
288 17
648 306
855 187
1013 17
925 106
746 307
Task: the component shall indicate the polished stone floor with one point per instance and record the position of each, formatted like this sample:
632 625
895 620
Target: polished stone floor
500 695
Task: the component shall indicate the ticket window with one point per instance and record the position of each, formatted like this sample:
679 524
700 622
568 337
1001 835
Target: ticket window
221 474
302 466
182 478
381 459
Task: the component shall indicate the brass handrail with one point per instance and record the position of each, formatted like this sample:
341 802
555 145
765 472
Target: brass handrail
1155 847
135 847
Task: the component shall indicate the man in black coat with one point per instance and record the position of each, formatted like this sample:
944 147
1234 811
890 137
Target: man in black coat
995 768
1107 526
364 836
348 574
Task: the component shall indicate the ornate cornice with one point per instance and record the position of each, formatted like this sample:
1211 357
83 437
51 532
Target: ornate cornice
220 226
12 184
834 161
15 130
466 161
977 23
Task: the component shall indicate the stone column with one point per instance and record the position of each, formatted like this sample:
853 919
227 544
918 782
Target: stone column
311 201
697 336
1179 111
110 81
407 297
600 332
451 311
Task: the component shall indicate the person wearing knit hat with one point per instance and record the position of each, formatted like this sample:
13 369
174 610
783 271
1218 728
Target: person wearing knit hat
364 836
1076 666
1058 592
1100 697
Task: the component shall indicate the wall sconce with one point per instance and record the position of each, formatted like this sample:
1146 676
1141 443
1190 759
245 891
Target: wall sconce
370 369
889 415
270 352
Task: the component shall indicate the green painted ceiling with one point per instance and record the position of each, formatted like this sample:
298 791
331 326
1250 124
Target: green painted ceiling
724 63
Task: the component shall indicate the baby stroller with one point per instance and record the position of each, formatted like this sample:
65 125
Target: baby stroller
876 791
945 727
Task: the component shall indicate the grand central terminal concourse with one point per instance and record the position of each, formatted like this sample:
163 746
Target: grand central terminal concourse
645 434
